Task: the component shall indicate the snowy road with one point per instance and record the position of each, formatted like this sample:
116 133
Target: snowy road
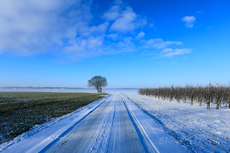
113 127
113 124
107 129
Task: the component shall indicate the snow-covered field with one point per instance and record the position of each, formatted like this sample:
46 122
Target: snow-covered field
112 124
197 128
115 124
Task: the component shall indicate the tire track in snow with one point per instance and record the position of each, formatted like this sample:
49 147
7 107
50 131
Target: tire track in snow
101 141
145 140
124 137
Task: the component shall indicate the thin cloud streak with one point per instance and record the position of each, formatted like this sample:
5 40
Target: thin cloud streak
159 43
169 52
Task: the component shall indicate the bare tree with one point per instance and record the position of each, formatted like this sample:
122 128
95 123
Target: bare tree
97 82
185 93
192 95
171 93
200 95
229 96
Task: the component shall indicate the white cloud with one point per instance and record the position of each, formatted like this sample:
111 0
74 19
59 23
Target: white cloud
113 36
126 43
127 21
200 12
189 21
169 52
88 46
140 35
159 43
113 13
86 31
151 25
100 29
95 42
33 26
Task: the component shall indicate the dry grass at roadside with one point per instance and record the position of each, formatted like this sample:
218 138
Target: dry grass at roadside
20 111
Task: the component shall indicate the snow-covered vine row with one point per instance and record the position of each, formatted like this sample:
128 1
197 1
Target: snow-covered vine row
210 94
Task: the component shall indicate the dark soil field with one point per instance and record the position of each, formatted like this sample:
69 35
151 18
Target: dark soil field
20 111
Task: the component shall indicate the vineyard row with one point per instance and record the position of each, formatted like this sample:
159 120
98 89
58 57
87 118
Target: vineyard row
219 95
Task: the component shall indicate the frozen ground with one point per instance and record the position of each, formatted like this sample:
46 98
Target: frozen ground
199 129
113 124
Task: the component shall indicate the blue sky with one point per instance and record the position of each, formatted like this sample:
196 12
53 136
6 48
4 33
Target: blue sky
132 43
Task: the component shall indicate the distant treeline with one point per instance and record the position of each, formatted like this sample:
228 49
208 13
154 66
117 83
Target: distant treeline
210 94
